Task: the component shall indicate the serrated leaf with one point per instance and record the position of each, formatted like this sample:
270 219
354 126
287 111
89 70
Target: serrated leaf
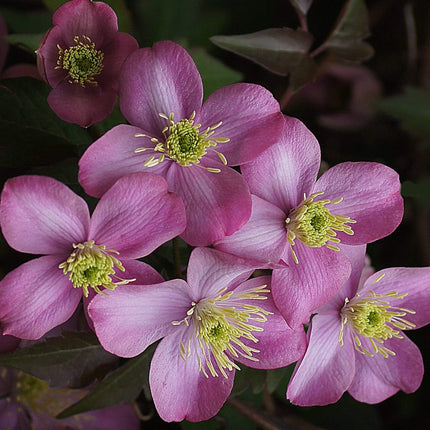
419 191
302 5
123 385
29 42
280 50
350 29
412 109
73 359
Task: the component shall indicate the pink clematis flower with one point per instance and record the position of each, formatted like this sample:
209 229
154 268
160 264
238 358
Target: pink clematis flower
80 255
81 58
207 324
303 221
356 341
190 145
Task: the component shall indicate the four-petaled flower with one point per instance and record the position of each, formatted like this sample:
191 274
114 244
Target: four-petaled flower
207 324
81 255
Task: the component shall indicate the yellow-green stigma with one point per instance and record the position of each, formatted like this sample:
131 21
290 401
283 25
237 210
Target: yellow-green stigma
220 326
314 225
184 143
372 316
82 61
91 265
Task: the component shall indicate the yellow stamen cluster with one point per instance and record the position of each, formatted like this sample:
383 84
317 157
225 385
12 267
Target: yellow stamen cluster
314 225
82 61
184 143
373 317
220 325
91 265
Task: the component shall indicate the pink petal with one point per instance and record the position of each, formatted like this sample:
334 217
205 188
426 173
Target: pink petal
250 118
278 344
263 238
327 369
137 215
21 70
95 20
209 271
40 215
36 297
287 170
162 79
415 281
302 288
179 390
82 105
112 156
371 196
143 273
217 204
134 316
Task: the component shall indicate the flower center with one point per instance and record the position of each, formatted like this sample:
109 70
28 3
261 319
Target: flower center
314 225
91 265
220 326
184 143
83 61
373 317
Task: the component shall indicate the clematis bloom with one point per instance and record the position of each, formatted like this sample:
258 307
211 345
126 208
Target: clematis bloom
303 221
81 256
206 325
81 58
189 144
356 342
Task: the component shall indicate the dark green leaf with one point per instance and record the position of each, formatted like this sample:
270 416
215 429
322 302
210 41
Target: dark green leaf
412 109
32 21
419 191
350 29
280 50
302 5
29 42
73 359
122 385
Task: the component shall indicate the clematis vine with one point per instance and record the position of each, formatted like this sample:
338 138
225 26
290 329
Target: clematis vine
81 58
356 342
302 222
81 255
191 145
207 324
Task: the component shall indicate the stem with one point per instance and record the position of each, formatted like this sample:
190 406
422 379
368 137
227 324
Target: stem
285 98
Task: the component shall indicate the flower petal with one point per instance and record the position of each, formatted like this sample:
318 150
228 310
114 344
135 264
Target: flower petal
36 297
137 215
327 369
217 204
83 106
162 79
250 118
287 170
371 197
301 288
262 238
179 390
134 316
40 215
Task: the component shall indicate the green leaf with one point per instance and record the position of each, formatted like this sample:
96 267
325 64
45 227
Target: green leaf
214 73
29 42
73 359
351 27
419 191
302 5
122 385
21 21
412 109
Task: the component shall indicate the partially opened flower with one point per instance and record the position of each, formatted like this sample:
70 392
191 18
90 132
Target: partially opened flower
80 255
356 341
207 324
188 143
304 221
81 58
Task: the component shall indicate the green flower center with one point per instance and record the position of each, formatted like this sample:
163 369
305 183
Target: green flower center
314 225
220 326
91 265
373 317
184 143
83 61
